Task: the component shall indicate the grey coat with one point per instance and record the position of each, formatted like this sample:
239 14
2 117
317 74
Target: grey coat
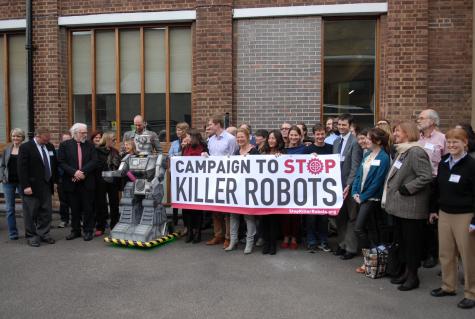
154 139
4 163
416 175
353 155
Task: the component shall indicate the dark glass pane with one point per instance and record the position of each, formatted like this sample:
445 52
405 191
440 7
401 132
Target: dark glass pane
105 112
349 69
180 111
155 114
129 107
82 109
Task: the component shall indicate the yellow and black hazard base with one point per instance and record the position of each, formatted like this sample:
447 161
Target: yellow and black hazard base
142 244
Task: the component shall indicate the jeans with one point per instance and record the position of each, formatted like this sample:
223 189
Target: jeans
366 227
10 191
250 225
317 229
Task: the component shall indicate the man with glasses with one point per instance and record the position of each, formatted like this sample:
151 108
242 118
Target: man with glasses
435 145
78 159
284 129
331 129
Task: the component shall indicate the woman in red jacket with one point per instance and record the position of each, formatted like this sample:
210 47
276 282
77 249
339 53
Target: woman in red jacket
193 145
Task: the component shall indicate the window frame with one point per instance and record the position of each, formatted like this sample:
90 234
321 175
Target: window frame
377 62
116 30
4 37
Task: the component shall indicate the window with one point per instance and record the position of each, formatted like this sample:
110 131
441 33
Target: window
121 72
13 85
349 69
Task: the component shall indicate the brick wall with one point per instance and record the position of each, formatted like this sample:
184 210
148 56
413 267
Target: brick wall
79 7
278 68
276 3
213 67
47 75
12 9
406 58
450 60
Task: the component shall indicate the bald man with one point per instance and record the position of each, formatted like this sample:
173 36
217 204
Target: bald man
139 124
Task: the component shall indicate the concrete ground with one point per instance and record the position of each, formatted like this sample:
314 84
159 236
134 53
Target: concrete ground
77 279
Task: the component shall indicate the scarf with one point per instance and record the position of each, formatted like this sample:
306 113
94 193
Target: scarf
401 149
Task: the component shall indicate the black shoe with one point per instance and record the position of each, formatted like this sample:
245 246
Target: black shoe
273 249
48 240
196 236
430 262
347 256
88 236
409 284
439 292
266 249
189 236
401 279
339 251
33 243
73 236
466 303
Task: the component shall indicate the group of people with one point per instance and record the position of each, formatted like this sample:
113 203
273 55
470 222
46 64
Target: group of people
408 184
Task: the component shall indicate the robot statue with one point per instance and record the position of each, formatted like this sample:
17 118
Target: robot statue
142 215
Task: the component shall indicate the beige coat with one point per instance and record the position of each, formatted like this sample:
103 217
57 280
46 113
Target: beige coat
415 174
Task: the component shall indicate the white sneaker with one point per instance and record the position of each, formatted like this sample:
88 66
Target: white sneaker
62 224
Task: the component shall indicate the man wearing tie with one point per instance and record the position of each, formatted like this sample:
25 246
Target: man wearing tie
36 172
78 159
350 158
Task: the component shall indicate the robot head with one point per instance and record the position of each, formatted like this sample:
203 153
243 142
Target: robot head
143 143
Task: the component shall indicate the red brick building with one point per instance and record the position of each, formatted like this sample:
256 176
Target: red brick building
260 61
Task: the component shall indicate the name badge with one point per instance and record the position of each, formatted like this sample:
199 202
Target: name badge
375 162
429 146
342 158
454 178
51 153
397 164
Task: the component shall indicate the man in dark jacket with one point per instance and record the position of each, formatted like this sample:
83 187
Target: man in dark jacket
37 173
78 159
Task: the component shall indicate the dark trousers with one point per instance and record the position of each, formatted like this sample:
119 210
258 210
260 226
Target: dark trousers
431 241
192 219
82 208
270 229
317 229
106 192
346 224
37 210
63 204
366 224
290 225
409 233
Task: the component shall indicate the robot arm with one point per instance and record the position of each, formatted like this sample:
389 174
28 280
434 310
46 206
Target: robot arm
160 167
120 172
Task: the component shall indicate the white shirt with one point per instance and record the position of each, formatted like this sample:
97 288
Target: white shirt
39 147
343 142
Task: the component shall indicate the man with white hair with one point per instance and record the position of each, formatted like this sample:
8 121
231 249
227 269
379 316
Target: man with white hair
140 128
435 145
78 159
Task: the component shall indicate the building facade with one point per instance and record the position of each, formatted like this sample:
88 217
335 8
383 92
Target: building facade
259 62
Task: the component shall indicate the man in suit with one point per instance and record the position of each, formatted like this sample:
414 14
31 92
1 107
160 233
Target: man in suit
350 158
37 173
78 159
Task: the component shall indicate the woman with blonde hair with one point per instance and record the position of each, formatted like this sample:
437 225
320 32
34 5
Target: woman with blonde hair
9 178
107 194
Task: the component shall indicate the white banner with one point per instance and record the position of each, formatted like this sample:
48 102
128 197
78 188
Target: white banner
258 184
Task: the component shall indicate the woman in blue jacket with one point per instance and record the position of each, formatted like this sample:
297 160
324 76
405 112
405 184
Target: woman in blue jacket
368 187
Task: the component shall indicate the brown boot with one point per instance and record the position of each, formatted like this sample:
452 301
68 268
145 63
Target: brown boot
226 243
214 241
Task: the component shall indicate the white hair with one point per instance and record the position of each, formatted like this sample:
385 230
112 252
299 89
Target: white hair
76 127
434 116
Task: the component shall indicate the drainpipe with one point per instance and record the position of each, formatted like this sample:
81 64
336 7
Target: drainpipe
29 67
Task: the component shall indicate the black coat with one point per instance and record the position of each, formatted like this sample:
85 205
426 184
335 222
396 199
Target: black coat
31 170
68 162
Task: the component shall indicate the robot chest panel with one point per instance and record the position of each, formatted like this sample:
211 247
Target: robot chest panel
138 163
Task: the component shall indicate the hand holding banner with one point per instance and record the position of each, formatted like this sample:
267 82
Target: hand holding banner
258 185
